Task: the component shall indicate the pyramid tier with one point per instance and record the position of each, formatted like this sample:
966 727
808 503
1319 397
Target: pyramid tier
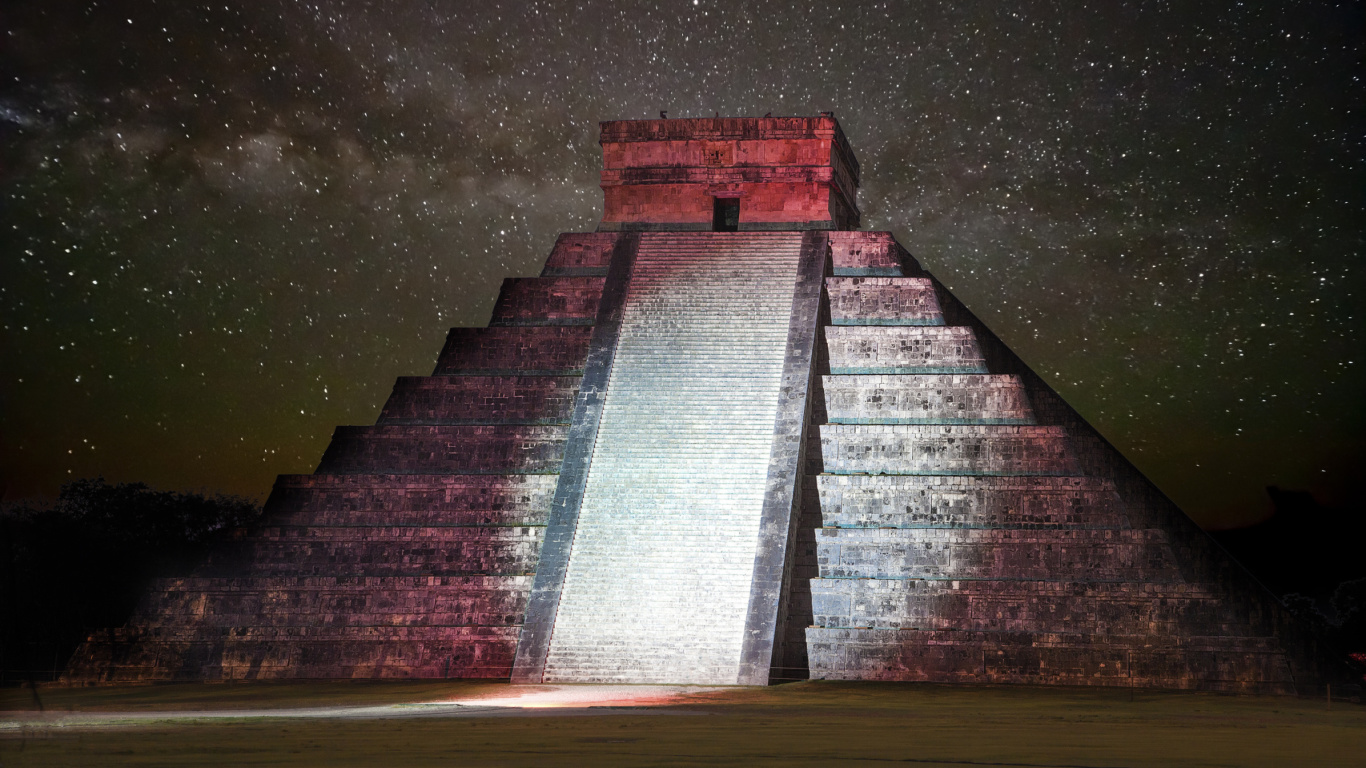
547 301
883 301
903 349
336 601
494 449
914 449
869 254
926 399
1092 608
437 400
949 553
580 253
1226 663
911 501
257 652
380 551
542 351
418 500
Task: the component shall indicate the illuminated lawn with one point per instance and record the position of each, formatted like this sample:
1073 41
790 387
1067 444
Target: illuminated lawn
816 723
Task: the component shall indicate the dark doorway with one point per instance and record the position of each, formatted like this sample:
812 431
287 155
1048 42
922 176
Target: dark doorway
725 214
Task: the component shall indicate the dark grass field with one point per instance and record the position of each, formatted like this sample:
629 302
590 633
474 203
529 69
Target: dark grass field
813 723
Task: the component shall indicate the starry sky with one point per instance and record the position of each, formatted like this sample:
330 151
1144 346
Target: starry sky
229 226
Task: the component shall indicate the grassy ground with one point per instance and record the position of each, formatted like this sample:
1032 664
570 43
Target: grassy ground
815 723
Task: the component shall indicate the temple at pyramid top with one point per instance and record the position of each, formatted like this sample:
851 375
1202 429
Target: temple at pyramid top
728 174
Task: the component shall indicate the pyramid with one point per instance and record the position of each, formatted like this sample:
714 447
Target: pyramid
725 439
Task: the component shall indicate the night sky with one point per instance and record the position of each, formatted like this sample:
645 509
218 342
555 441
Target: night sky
229 226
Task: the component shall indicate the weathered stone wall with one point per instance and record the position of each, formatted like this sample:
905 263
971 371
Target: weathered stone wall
421 500
925 449
903 349
580 253
883 300
869 254
553 351
481 400
1244 664
918 399
946 553
788 173
464 449
959 501
547 301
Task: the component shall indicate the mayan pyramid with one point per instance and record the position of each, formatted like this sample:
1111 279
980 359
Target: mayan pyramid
726 439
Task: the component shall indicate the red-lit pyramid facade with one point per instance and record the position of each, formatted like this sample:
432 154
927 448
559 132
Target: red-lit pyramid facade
727 438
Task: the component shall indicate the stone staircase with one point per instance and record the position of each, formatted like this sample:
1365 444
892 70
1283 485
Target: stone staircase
659 579
964 525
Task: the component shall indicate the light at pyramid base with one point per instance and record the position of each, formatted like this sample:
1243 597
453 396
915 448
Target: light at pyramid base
726 439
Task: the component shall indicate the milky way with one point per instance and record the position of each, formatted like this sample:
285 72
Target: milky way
229 226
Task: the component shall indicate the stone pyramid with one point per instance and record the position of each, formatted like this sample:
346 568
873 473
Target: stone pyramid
725 439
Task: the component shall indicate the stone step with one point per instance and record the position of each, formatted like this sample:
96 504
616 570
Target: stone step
903 349
532 301
869 254
253 652
580 253
946 553
370 552
1233 664
545 351
883 301
332 601
908 501
436 400
915 449
492 449
362 499
1024 606
926 399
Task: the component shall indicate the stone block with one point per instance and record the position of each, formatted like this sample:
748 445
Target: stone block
336 601
545 351
913 449
938 553
436 400
416 500
1015 605
537 301
391 551
580 253
787 173
883 300
908 501
903 349
1249 664
493 449
870 254
926 399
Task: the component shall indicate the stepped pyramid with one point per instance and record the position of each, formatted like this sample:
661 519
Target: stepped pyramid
725 439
